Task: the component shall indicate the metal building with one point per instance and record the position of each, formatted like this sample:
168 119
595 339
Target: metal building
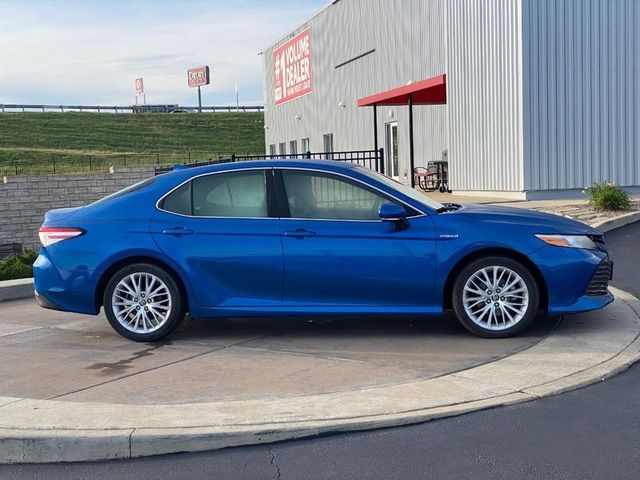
526 98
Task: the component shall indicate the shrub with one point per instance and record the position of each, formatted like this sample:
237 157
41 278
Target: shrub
608 197
18 266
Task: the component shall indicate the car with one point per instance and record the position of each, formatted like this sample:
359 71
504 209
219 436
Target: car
308 238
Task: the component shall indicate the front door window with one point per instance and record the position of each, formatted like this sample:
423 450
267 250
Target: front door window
324 196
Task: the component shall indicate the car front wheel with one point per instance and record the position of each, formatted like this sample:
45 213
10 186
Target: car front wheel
142 302
495 297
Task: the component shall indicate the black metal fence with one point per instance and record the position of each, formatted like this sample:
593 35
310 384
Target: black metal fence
372 159
164 161
100 163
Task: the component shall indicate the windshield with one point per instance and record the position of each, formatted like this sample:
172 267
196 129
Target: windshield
404 189
130 188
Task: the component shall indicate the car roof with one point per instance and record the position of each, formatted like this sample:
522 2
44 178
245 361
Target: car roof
330 165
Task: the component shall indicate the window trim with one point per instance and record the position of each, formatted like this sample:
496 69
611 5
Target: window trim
284 205
276 195
268 191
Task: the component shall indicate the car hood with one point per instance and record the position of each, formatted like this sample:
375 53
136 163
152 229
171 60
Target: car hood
542 221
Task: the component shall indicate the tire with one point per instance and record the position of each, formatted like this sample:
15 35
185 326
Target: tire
134 314
496 314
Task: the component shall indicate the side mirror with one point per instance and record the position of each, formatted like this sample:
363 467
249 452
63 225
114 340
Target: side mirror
392 212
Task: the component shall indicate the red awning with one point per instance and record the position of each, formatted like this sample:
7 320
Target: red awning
432 91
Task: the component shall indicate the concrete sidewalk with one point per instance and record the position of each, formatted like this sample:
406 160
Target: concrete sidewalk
80 358
583 349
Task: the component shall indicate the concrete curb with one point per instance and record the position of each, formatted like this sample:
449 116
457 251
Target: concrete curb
611 224
578 353
16 289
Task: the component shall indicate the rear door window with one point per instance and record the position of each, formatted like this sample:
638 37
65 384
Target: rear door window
179 201
234 194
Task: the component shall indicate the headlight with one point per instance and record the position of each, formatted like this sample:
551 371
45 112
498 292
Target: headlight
572 241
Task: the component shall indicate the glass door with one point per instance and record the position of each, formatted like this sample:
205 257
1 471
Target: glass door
391 167
327 141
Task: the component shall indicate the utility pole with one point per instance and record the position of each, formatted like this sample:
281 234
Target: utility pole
237 99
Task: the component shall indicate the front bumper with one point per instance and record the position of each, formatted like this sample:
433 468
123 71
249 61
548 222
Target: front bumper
586 303
597 294
599 283
576 278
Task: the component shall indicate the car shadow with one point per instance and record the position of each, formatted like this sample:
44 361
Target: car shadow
445 326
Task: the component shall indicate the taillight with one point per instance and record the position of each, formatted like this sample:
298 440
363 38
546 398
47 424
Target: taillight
51 235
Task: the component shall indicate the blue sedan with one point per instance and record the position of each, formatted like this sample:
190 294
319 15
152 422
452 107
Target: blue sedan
311 237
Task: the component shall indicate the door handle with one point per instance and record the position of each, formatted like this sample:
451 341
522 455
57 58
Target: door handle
300 233
177 231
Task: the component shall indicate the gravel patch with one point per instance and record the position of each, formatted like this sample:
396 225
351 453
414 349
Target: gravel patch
584 213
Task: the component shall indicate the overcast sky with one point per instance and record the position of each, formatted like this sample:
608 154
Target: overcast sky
90 51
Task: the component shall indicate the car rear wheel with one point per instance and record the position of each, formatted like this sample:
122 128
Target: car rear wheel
142 302
495 297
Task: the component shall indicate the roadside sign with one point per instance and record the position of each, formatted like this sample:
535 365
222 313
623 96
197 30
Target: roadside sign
196 77
292 76
139 86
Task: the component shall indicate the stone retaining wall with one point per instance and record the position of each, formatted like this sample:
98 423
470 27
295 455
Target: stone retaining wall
24 199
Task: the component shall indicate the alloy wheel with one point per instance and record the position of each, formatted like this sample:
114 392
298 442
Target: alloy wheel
495 298
141 302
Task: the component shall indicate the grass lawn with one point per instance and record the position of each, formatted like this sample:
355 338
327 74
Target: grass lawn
75 141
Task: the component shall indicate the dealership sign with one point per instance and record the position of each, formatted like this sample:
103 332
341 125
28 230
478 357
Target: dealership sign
196 77
292 68
139 86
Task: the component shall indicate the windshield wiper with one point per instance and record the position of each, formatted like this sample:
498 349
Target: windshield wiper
449 207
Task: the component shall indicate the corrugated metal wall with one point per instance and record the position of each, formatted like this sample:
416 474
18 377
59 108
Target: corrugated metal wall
409 41
484 95
581 92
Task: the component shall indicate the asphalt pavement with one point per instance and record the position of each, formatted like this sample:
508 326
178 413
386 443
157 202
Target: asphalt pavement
624 250
589 433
